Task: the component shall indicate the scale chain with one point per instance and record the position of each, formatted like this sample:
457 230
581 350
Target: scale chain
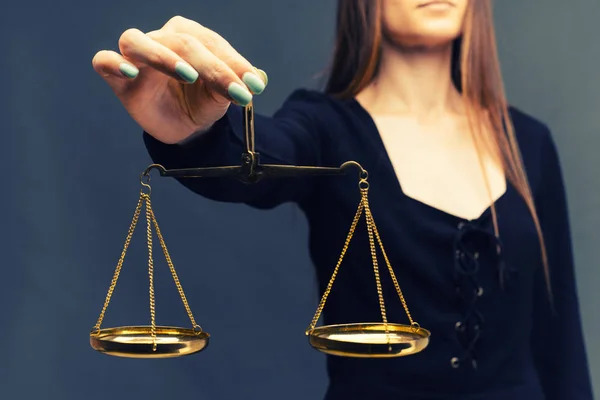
117 272
151 220
374 236
188 310
393 275
369 220
150 271
337 267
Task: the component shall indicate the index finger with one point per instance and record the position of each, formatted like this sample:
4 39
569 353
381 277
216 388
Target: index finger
222 49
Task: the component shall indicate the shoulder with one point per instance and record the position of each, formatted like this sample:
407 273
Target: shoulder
329 114
308 99
316 103
534 137
307 96
529 129
537 147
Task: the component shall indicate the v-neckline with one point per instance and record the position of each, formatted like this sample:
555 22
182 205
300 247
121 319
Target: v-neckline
389 166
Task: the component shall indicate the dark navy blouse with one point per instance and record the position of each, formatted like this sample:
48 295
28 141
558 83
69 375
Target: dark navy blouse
494 334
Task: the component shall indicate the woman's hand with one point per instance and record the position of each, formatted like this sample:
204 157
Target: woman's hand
179 79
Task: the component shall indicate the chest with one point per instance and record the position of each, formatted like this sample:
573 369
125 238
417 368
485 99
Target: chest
439 165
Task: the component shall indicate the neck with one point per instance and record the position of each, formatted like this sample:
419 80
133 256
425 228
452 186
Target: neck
413 81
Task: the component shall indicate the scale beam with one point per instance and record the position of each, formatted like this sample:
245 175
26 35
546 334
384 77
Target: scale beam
252 172
250 169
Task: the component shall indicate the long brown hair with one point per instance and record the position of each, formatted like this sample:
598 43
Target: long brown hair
475 72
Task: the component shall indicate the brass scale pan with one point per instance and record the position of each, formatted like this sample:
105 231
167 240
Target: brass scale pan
366 340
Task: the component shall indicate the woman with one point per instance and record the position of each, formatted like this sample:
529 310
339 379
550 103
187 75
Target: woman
467 193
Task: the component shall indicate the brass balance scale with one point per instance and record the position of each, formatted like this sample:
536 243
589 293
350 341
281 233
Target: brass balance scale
364 339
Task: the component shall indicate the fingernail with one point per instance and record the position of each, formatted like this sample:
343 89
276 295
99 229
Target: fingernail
240 95
128 70
186 72
254 83
263 75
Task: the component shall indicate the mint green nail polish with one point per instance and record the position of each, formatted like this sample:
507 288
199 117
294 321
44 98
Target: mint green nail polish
128 70
186 72
254 83
240 95
264 76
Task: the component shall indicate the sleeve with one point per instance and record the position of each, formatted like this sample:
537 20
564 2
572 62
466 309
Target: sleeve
558 340
290 137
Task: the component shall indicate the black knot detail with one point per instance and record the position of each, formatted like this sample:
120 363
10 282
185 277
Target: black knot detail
471 244
473 240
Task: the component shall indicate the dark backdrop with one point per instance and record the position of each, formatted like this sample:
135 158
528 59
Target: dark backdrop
71 158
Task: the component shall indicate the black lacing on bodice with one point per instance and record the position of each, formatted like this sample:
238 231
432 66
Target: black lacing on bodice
471 245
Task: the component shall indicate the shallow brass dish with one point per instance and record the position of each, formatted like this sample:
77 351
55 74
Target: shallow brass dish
137 341
369 340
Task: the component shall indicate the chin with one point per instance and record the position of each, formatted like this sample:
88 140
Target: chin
425 39
407 26
437 38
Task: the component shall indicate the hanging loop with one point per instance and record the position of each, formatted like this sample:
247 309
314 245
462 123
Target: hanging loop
363 184
362 173
145 182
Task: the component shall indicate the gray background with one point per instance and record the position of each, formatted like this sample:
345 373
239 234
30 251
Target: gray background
71 158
